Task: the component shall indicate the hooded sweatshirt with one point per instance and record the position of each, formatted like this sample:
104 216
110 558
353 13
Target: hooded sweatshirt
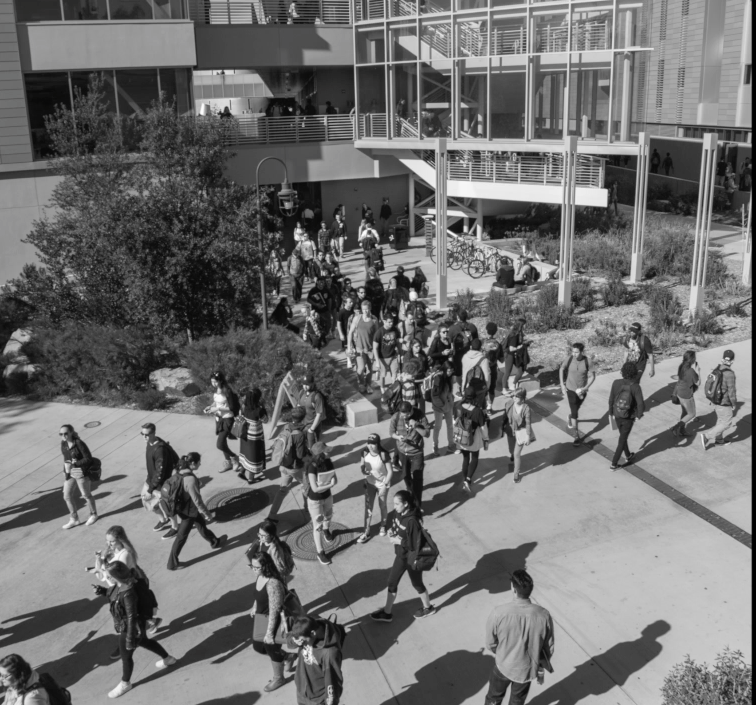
475 358
319 679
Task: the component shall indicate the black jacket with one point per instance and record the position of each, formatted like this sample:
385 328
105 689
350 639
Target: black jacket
124 608
159 464
78 455
639 407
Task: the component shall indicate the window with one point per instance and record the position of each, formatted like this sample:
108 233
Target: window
85 10
38 10
78 10
747 75
44 91
137 90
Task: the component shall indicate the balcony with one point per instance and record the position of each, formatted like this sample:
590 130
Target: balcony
316 128
312 12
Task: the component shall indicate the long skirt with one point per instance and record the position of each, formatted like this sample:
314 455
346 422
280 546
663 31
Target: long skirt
252 448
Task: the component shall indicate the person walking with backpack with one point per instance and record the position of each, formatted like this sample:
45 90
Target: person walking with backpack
361 335
627 406
296 268
321 479
640 351
189 507
476 374
375 465
76 462
293 442
576 376
408 429
319 679
252 439
688 378
387 349
518 428
515 355
313 402
225 406
521 636
720 391
494 352
442 401
461 334
161 461
407 536
470 435
24 686
338 234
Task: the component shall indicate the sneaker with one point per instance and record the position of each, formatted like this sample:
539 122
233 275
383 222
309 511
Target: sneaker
172 534
451 449
629 459
466 486
457 451
570 423
323 558
576 442
328 536
71 523
92 519
613 467
165 662
721 442
121 689
226 466
115 655
162 524
219 541
154 624
383 531
425 612
363 538
516 479
703 440
381 616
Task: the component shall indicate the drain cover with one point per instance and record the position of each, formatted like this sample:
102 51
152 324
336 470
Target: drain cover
231 505
92 424
302 543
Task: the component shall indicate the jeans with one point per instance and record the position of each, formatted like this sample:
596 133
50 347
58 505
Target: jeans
288 477
413 467
223 431
371 492
508 365
515 450
183 534
725 416
469 463
575 403
364 369
624 426
85 488
439 415
497 689
321 513
296 288
687 409
401 567
127 656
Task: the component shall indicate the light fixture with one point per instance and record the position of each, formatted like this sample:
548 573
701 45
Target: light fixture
288 199
204 109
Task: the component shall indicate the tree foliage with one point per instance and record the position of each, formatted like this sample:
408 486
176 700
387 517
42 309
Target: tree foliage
147 230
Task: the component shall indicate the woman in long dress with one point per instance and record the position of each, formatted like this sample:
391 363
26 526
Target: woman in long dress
252 442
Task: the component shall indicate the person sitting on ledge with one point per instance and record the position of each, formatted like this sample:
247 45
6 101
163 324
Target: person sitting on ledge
505 276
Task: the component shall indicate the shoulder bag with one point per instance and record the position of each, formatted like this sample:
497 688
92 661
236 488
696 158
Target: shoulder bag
426 555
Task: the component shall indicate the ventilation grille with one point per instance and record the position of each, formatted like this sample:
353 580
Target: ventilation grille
679 102
660 76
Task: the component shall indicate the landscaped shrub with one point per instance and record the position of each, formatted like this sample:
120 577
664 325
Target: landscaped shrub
262 359
728 682
542 310
500 308
466 300
705 322
659 192
607 334
582 294
615 291
664 308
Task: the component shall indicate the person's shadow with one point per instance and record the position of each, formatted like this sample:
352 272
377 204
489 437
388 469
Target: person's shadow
237 699
491 573
89 653
359 586
602 673
452 679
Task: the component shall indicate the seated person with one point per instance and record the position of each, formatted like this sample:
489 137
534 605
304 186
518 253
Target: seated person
505 276
527 274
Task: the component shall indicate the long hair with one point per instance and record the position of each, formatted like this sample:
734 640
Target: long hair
74 435
223 386
189 459
268 567
252 401
119 534
689 357
18 669
119 571
517 326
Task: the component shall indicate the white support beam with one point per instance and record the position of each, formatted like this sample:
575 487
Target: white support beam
703 223
568 220
479 219
441 236
639 212
411 214
748 243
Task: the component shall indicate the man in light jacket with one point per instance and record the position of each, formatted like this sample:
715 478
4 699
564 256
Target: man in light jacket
476 358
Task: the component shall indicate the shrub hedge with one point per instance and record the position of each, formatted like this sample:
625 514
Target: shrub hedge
728 682
542 310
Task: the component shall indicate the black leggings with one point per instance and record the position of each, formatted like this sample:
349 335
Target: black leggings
274 651
469 463
398 570
223 431
127 657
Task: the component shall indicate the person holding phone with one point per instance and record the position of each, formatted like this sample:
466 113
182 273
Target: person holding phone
76 459
375 465
322 479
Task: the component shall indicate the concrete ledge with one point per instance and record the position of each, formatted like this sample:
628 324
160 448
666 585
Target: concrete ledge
361 413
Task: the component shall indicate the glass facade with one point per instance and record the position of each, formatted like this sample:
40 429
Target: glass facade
127 92
79 10
503 69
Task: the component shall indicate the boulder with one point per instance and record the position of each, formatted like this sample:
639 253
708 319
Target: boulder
20 369
172 381
17 339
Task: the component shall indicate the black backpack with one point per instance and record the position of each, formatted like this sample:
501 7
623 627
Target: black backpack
55 693
173 494
427 555
714 386
146 601
624 403
392 397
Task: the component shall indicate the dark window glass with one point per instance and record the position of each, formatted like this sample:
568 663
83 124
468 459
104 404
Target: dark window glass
130 10
137 89
80 80
43 92
175 84
168 10
38 10
85 9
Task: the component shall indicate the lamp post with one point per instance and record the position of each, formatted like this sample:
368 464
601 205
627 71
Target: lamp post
287 205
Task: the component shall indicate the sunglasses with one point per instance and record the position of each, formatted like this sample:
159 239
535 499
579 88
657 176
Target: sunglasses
65 433
144 435
255 567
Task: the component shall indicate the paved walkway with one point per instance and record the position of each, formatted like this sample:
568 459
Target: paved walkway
633 580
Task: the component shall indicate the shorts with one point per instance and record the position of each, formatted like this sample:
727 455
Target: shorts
389 365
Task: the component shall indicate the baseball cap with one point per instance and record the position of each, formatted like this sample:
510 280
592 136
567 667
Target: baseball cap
320 448
400 269
470 393
308 379
373 438
636 327
728 355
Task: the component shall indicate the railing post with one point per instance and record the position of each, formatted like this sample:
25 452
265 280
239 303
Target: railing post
228 10
441 235
748 243
568 220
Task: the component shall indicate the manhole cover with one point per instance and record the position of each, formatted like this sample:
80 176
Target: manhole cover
302 543
237 504
93 424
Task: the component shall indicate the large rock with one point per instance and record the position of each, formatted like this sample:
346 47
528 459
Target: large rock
173 381
20 369
13 346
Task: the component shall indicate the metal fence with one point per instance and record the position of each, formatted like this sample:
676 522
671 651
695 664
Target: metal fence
250 129
331 12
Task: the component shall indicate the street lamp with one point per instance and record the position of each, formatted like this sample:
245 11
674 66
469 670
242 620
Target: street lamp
287 205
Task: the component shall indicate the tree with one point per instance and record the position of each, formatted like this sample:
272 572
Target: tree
154 235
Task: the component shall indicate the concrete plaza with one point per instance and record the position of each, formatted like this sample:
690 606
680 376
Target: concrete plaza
633 580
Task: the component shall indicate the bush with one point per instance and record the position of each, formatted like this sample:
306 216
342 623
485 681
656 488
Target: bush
615 291
500 308
544 313
705 322
721 201
582 294
466 300
607 334
729 682
261 359
152 399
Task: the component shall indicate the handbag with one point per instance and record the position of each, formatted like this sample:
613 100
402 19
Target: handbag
260 628
426 555
239 427
675 399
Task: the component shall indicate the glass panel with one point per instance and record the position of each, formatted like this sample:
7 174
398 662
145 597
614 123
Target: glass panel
43 92
372 101
80 80
507 3
435 100
548 102
433 6
589 103
405 94
38 10
551 32
508 103
623 98
403 42
137 89
472 38
471 4
403 8
169 10
85 9
371 46
473 96
130 10
175 84
509 35
592 28
435 40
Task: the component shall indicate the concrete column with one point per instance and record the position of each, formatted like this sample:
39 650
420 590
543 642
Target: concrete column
703 222
567 233
411 219
465 226
627 80
639 212
479 219
748 244
441 157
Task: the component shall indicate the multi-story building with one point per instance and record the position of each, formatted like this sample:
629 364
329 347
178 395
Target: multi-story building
487 78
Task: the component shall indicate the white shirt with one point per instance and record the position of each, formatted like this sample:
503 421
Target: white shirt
377 469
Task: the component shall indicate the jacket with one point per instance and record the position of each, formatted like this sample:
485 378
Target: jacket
33 694
407 528
414 443
78 455
298 444
124 608
159 464
729 397
319 679
510 413
475 358
195 504
638 408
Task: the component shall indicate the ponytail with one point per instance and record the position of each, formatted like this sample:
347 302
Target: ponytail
189 459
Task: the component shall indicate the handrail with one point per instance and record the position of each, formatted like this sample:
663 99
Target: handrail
330 12
251 129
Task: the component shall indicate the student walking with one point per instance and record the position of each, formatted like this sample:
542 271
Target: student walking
343 321
406 535
387 349
321 479
292 460
515 355
518 428
252 440
295 265
269 542
476 374
521 636
225 407
720 391
361 335
688 378
319 679
161 461
375 465
76 463
640 351
442 401
408 429
191 510
494 353
313 402
627 406
338 234
470 435
384 215
575 377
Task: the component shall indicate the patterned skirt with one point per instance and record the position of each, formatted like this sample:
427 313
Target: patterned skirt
252 448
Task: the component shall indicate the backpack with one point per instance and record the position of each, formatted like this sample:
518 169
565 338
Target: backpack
288 559
296 266
427 555
174 456
463 339
490 348
714 386
379 263
624 403
464 433
146 601
55 693
392 397
170 493
283 448
475 373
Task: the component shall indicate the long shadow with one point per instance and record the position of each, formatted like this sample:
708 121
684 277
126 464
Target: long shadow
452 679
45 506
602 673
243 539
82 658
238 699
490 573
489 471
46 620
381 636
659 397
552 457
136 504
365 584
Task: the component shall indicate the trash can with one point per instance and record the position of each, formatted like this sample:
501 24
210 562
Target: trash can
398 237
